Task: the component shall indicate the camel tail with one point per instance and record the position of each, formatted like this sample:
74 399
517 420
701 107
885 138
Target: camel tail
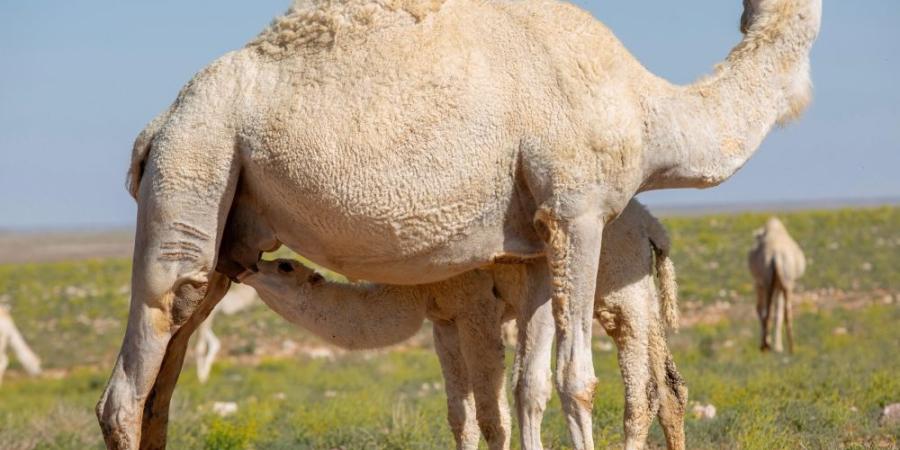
668 287
665 272
26 357
141 150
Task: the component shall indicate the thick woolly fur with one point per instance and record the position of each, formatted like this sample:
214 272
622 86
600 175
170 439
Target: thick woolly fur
473 305
776 262
410 141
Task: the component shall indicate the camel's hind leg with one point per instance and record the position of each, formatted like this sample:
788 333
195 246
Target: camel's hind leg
460 401
627 320
673 392
482 349
207 348
156 410
4 359
762 312
531 370
789 319
180 221
778 296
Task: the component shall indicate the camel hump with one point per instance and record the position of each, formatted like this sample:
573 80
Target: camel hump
315 25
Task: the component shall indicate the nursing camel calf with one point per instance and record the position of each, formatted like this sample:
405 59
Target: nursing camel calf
467 312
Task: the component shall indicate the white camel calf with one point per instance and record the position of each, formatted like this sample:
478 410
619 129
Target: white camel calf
9 335
468 310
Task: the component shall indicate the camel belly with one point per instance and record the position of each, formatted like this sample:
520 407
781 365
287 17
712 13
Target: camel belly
422 220
392 228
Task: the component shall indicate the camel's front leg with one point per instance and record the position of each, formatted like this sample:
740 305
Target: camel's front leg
573 253
531 370
175 254
156 410
460 401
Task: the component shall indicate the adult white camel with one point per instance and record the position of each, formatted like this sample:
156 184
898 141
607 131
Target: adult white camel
10 336
468 310
776 262
409 141
239 298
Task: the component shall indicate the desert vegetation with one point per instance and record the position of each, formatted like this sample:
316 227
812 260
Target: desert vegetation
292 391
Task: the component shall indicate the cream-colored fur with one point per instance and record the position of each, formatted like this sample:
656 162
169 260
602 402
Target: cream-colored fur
468 310
10 336
410 141
776 262
239 298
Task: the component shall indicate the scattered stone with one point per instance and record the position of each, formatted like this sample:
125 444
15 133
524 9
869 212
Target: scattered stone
288 346
330 394
279 396
703 412
839 331
224 409
867 266
604 345
890 415
319 353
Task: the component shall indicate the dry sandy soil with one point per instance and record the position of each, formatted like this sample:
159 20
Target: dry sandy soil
27 247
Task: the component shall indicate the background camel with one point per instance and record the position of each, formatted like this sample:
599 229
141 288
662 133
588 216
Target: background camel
9 335
409 141
467 312
238 298
776 262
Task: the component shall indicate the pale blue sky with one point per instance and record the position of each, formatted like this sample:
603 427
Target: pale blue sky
78 80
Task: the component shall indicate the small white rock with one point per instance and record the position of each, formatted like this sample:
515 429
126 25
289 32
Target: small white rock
703 412
604 345
224 409
890 415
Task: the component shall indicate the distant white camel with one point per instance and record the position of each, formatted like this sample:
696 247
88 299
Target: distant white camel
9 335
468 310
776 262
239 298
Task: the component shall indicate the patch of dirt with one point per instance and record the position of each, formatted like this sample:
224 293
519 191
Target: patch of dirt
54 246
696 313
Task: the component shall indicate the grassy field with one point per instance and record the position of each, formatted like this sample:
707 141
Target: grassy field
828 395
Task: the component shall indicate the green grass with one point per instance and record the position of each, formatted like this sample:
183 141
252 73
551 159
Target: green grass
828 395
389 401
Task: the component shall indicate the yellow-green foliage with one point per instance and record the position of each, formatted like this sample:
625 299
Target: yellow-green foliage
849 249
826 396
